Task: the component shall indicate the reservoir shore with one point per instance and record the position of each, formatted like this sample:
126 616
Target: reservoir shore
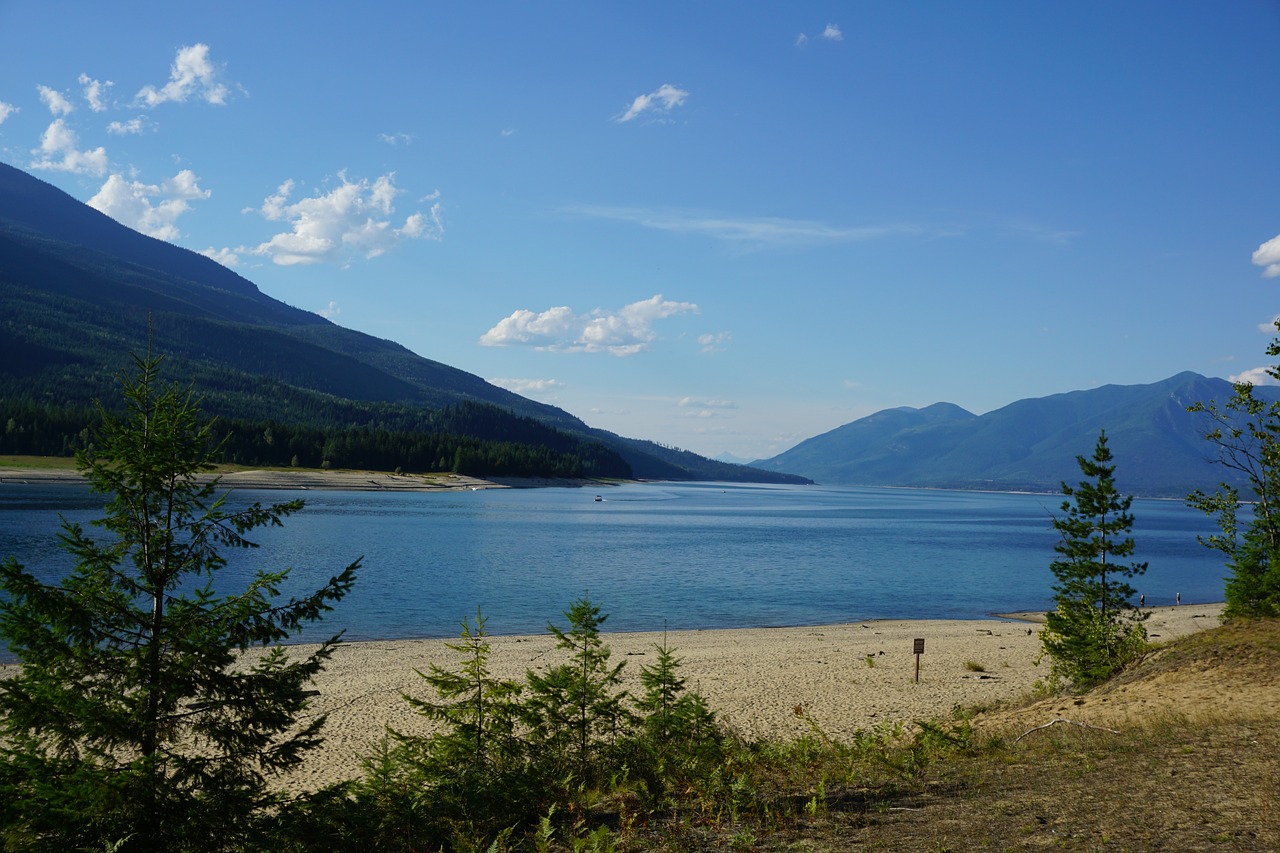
760 682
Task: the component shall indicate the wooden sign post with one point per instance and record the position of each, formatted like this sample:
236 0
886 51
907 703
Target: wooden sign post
919 651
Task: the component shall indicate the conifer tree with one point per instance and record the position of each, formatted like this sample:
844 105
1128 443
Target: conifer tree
136 718
1094 629
1246 431
578 706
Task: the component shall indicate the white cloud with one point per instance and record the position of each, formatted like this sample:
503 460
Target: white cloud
149 208
528 386
227 257
1255 376
802 40
627 331
192 73
351 219
330 310
714 343
58 152
663 100
832 33
1268 257
125 128
55 101
1270 326
94 91
396 138
760 230
6 110
508 131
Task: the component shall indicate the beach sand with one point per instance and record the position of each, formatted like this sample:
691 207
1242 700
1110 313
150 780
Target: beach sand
766 682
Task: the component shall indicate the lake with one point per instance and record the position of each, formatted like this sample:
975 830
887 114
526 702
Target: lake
683 555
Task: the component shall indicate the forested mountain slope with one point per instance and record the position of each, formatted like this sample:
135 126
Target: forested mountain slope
79 293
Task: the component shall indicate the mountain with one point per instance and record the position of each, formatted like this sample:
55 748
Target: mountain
79 293
1030 445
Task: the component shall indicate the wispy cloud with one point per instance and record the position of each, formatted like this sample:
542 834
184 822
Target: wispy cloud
330 310
192 74
396 138
352 219
1267 256
59 152
831 32
152 209
758 230
701 403
662 100
6 110
627 331
714 342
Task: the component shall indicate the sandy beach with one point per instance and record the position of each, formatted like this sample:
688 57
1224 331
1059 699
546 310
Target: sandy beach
351 481
842 677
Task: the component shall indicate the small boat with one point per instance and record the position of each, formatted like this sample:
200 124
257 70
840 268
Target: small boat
599 499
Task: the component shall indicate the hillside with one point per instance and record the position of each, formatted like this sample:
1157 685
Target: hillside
79 292
1029 445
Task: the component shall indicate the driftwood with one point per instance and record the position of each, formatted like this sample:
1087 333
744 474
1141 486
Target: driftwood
1064 720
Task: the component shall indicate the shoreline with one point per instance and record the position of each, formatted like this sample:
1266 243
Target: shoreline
761 682
339 481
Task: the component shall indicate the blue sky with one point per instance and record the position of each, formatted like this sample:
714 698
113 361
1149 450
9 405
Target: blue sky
724 226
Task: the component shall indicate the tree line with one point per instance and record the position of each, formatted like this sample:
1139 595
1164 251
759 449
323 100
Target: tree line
474 439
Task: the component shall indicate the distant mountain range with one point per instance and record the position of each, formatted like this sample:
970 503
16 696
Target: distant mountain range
79 293
1030 445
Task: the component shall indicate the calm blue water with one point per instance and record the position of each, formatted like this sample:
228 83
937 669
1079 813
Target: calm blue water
684 555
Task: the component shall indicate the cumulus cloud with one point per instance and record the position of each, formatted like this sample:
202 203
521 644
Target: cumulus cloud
528 387
227 257
6 110
94 92
149 208
1268 257
330 310
624 332
191 75
663 100
1255 376
352 219
832 33
59 152
128 128
55 101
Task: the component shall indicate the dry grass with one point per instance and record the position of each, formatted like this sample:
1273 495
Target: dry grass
1146 763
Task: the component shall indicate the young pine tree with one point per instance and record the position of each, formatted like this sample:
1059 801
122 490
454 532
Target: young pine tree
1246 431
135 718
578 707
1094 629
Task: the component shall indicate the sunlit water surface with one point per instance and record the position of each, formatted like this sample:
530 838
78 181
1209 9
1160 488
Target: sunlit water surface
683 555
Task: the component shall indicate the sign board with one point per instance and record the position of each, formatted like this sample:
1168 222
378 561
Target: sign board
919 645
